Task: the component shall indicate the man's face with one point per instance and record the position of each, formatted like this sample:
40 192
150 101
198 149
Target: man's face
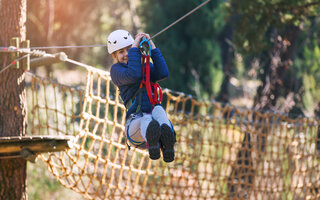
122 55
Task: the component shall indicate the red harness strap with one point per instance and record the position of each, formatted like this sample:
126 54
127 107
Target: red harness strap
156 97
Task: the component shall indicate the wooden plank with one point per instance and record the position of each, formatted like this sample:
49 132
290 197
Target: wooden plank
26 61
15 42
36 144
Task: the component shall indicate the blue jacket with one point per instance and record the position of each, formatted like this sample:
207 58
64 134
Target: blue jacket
127 77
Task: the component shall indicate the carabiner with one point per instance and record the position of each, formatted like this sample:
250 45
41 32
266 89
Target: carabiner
145 46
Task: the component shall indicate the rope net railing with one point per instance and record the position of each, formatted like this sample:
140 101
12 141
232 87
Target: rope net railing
222 152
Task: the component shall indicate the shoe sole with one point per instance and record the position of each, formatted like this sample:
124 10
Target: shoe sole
167 140
153 135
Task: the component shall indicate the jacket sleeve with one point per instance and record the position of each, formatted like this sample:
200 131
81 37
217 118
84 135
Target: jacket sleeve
159 71
125 74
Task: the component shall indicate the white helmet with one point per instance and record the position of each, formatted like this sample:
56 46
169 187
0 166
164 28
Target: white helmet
119 39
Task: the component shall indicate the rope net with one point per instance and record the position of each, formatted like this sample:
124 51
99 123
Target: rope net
222 152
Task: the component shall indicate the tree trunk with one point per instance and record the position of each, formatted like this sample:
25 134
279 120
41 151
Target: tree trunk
276 79
276 83
227 65
13 113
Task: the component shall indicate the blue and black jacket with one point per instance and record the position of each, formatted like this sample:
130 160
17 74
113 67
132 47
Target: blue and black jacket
127 77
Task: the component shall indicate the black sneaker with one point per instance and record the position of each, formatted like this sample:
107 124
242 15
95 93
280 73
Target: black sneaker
153 135
167 140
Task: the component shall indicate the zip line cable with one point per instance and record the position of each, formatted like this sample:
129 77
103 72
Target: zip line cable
29 50
11 49
67 47
181 18
35 51
13 62
40 53
6 49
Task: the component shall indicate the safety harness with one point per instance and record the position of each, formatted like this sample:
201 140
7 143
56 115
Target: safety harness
155 96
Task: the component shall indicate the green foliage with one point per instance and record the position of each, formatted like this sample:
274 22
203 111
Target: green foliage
190 47
257 25
79 22
254 20
310 68
307 64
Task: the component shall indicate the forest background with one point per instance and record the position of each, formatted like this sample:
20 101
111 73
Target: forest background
262 54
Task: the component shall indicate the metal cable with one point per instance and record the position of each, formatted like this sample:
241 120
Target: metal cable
181 18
